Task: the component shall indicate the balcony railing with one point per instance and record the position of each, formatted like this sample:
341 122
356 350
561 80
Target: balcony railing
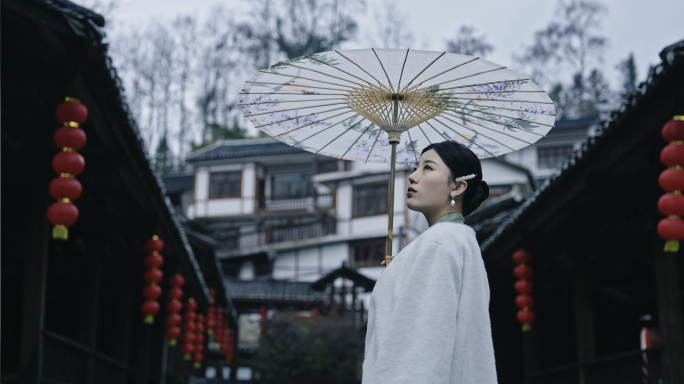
272 235
288 203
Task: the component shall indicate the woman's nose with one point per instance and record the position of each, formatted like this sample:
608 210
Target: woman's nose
412 179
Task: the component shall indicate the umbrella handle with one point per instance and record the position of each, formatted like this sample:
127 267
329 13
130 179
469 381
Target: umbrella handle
393 140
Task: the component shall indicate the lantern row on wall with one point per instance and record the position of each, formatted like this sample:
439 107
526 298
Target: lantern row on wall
524 287
211 315
197 357
671 180
189 328
174 306
153 276
68 164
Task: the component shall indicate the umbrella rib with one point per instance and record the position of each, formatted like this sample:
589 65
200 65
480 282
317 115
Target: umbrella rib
368 102
480 133
402 67
491 106
293 109
337 137
383 107
469 93
383 69
357 139
297 117
292 93
461 78
323 130
373 147
512 101
361 68
342 70
508 117
306 78
314 122
491 129
324 74
297 85
491 82
455 131
421 72
445 71
291 101
424 134
415 156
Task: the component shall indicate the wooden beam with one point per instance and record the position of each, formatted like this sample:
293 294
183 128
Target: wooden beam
584 321
669 312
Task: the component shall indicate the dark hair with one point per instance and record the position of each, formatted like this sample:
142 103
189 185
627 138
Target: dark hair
462 162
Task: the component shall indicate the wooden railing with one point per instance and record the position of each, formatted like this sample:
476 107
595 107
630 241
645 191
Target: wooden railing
288 203
274 235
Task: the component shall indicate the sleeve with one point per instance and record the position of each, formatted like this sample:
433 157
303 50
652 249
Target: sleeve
419 343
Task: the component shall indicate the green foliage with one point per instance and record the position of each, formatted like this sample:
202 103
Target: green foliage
214 132
628 72
163 158
301 351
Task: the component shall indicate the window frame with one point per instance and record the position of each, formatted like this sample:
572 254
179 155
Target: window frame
372 241
548 149
354 191
239 195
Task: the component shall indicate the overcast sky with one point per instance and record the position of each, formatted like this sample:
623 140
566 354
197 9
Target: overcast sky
640 26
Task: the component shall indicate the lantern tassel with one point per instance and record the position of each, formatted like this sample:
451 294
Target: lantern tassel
60 232
527 327
149 319
672 246
172 342
187 357
197 365
210 332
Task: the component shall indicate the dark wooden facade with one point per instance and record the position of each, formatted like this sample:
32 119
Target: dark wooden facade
598 262
71 309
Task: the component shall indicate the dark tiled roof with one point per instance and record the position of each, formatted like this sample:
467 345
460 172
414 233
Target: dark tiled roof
348 273
670 55
272 290
230 149
180 182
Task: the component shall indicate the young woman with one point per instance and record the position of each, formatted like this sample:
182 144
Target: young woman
428 320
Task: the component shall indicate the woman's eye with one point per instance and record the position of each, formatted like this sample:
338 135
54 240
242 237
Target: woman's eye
414 169
427 167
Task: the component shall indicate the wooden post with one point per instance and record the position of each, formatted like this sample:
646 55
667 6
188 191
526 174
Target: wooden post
584 322
669 312
530 356
35 274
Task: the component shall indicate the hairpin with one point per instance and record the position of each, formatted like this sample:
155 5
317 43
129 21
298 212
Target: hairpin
464 178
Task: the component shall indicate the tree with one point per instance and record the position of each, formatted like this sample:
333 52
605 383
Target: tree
538 58
628 72
301 351
163 159
466 43
221 132
392 29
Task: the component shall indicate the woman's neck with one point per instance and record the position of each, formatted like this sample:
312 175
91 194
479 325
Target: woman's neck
431 217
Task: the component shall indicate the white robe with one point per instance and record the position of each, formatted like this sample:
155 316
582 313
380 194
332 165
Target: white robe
428 320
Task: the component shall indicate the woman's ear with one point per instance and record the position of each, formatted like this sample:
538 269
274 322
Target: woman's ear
459 187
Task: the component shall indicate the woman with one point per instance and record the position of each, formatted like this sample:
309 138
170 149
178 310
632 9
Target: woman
429 312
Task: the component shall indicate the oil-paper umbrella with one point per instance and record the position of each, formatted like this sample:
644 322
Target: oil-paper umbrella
386 105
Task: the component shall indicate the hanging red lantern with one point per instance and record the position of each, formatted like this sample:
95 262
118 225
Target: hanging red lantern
62 215
524 301
153 275
197 359
671 229
522 272
672 155
65 188
149 309
174 306
154 260
71 110
190 305
524 286
526 318
188 349
522 256
68 163
671 180
152 291
189 326
70 137
189 337
172 334
200 338
173 319
199 347
671 204
154 245
674 129
175 293
177 281
189 316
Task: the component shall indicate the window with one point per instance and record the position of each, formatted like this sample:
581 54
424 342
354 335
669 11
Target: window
552 157
291 186
225 184
370 199
368 253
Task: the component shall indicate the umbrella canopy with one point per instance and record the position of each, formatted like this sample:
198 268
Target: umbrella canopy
344 103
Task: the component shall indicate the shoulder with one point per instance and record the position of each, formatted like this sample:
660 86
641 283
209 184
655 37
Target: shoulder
449 233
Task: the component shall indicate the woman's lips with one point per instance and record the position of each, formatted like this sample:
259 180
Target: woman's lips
410 192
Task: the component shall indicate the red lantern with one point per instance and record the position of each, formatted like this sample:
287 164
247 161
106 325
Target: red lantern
70 137
153 275
672 155
176 293
65 188
200 338
671 229
187 350
189 316
190 305
671 180
152 291
671 204
154 260
176 280
522 256
174 306
199 348
149 309
189 337
62 215
524 301
522 272
172 334
154 245
526 317
71 110
197 359
173 319
189 327
70 163
674 129
524 286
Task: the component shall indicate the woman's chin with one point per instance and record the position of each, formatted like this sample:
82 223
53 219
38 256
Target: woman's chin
412 207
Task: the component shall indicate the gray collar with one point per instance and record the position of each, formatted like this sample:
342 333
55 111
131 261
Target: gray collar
451 218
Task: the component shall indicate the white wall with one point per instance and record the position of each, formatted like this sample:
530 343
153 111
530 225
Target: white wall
202 206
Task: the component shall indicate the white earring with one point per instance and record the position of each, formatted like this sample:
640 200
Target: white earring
453 194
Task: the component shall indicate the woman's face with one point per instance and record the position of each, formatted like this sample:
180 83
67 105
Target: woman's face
430 185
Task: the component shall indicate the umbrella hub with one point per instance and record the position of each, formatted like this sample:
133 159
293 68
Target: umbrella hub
396 111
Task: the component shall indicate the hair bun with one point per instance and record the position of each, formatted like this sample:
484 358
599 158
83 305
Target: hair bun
481 195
